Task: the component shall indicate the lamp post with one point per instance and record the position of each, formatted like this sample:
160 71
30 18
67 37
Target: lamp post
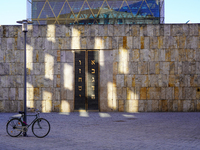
24 29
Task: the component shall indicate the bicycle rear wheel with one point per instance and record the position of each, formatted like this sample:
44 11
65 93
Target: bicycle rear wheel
41 128
14 127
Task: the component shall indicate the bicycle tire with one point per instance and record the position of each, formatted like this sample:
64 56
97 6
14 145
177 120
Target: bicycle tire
11 127
41 128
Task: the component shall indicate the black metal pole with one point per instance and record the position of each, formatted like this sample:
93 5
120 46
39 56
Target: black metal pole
25 79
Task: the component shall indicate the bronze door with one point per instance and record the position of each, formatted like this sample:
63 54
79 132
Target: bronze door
86 80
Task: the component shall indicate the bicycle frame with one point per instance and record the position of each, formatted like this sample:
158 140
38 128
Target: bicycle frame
28 125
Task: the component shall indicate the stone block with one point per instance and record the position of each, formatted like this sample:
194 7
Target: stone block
70 94
93 30
121 105
5 31
154 68
150 30
159 54
18 81
11 106
161 29
198 105
90 42
48 43
129 80
145 55
167 30
197 54
172 68
12 94
62 56
57 94
129 41
114 42
19 93
193 29
106 43
194 81
174 54
101 31
153 42
135 30
180 105
160 42
163 93
142 67
164 105
60 30
135 55
190 55
83 41
132 106
136 43
153 93
118 30
182 55
110 30
153 81
133 68
51 31
142 106
171 42
130 95
128 30
69 56
2 107
120 80
137 81
155 107
67 41
4 43
186 105
143 93
86 30
182 42
177 93
57 81
56 106
164 67
4 93
38 80
177 30
169 93
143 30
37 94
121 93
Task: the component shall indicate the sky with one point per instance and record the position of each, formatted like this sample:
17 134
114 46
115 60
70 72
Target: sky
176 11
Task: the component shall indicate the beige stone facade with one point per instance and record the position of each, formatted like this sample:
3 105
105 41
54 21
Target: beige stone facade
142 68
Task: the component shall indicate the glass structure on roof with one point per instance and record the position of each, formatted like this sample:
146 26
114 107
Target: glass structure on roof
96 11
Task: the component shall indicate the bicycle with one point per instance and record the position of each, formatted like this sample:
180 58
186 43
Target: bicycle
40 126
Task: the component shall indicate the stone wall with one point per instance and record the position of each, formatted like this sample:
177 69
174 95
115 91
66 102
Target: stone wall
141 67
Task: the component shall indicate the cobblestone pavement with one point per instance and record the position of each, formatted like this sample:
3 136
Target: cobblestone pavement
110 131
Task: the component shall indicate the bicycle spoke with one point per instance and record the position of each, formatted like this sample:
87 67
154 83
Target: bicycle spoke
41 127
13 127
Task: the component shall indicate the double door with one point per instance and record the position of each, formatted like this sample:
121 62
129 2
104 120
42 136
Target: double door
86 80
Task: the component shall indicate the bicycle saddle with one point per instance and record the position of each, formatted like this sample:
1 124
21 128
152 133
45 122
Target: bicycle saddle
21 112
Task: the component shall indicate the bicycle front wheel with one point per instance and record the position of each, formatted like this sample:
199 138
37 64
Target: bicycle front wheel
14 127
41 128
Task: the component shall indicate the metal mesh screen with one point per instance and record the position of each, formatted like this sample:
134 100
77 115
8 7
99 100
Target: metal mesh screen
96 11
